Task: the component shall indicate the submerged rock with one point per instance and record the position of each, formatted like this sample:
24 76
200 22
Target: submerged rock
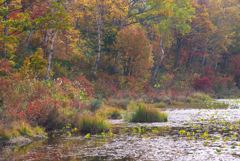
19 141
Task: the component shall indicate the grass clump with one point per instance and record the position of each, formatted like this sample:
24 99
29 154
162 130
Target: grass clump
92 124
146 114
203 101
160 105
16 129
199 97
121 103
109 112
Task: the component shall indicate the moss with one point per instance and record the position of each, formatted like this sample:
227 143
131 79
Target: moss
147 114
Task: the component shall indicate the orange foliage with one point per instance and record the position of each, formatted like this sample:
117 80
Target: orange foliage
135 52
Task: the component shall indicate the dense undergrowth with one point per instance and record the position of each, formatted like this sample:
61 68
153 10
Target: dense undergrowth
71 106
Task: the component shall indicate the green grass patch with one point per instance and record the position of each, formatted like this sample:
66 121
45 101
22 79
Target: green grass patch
109 112
16 129
92 124
200 101
143 114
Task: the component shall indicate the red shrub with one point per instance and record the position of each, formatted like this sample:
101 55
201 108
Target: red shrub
224 82
235 65
82 83
209 72
106 85
38 110
203 83
5 67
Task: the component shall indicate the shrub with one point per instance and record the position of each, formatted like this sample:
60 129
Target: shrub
222 84
36 101
109 112
91 124
38 111
115 114
106 85
59 118
121 102
202 84
5 67
146 114
95 104
85 85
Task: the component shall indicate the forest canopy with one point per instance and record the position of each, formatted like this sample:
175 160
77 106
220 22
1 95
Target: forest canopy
74 50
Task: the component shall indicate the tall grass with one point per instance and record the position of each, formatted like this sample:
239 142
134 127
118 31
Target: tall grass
92 124
109 112
16 129
143 114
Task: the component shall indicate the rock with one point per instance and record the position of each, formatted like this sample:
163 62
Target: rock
19 141
40 137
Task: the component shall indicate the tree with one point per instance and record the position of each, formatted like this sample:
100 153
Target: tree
97 18
197 42
134 52
170 19
13 23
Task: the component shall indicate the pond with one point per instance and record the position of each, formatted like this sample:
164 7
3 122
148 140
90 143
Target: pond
166 146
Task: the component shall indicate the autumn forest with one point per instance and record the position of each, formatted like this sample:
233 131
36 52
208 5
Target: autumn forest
67 67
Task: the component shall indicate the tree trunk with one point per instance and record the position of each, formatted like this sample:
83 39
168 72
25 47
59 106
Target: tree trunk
158 63
177 57
99 37
51 36
189 59
5 29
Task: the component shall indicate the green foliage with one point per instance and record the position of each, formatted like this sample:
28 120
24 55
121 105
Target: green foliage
146 114
35 66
